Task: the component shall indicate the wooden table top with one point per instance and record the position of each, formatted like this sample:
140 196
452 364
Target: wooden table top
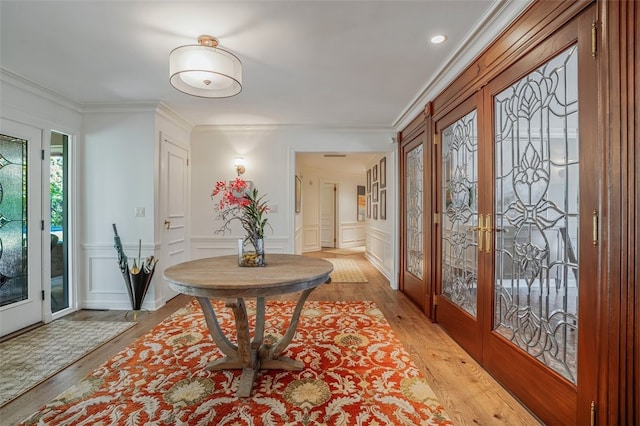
222 277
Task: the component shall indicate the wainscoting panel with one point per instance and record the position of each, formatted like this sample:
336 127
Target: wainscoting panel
111 282
379 253
310 238
101 285
352 234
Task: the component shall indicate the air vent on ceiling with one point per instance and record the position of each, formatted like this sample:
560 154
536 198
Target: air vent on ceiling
335 155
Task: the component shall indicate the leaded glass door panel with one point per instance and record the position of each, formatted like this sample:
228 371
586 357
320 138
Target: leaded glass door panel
460 213
414 273
20 234
537 187
414 213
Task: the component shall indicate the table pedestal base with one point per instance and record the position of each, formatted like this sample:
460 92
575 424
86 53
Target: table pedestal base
249 374
251 356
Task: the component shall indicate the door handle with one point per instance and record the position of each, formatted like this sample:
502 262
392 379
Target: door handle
487 234
167 224
480 228
595 228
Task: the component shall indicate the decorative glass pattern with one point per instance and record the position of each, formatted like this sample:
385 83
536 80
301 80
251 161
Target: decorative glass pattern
13 220
536 207
459 189
413 183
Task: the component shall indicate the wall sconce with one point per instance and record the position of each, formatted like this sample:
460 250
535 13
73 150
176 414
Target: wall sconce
238 162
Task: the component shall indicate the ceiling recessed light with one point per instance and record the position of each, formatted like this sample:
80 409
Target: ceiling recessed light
437 39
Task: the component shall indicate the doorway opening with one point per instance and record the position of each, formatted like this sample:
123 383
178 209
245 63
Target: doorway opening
328 209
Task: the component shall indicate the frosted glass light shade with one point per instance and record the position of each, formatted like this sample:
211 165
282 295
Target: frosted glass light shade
205 71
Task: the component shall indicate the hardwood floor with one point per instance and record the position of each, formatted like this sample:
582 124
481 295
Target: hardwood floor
469 394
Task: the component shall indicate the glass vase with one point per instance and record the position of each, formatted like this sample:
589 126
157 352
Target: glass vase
250 255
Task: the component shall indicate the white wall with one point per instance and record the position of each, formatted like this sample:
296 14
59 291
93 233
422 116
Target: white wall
116 170
382 235
269 153
120 173
116 175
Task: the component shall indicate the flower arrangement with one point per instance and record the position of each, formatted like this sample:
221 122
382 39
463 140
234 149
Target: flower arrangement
239 202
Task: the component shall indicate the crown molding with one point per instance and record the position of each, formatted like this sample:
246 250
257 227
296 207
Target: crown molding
239 128
501 14
167 112
13 79
119 107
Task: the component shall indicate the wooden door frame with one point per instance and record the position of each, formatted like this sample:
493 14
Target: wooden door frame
618 53
573 406
414 135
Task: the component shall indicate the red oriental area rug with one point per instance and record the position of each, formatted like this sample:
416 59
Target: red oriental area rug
356 373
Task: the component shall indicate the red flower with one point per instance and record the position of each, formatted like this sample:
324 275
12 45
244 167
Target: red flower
238 202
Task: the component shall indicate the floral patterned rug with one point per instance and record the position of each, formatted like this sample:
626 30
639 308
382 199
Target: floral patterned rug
356 373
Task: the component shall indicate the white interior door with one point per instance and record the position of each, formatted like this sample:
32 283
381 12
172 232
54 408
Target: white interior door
174 181
327 214
20 226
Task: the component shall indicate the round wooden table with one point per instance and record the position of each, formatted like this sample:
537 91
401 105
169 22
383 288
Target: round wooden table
222 278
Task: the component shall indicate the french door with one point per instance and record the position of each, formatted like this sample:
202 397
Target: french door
414 269
519 177
20 234
460 301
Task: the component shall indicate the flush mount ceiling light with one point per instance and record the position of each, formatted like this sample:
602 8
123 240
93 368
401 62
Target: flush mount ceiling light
205 70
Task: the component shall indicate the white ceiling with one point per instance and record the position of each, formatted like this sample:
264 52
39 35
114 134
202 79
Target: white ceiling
322 63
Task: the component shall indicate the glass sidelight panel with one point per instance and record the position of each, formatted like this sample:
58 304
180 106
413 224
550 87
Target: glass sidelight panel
58 195
414 213
460 206
536 213
13 220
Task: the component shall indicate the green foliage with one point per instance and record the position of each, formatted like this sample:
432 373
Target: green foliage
56 191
